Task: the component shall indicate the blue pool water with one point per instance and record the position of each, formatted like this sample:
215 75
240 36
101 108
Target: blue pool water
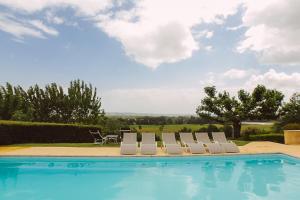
218 177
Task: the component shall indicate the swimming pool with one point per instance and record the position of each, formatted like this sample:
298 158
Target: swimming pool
273 176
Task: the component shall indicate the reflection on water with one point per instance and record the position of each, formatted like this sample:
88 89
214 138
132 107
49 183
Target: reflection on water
261 176
217 178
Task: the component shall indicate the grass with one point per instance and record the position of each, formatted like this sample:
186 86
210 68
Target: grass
240 142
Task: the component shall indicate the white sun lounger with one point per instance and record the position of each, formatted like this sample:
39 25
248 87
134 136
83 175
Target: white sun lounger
228 146
170 144
148 144
189 143
212 147
129 144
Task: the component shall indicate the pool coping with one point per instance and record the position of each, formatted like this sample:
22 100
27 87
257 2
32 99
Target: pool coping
249 149
148 156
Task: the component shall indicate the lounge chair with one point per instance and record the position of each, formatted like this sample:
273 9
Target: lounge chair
148 144
129 144
189 143
228 146
170 144
212 147
98 138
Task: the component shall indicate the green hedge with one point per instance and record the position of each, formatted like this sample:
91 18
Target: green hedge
293 126
15 132
272 137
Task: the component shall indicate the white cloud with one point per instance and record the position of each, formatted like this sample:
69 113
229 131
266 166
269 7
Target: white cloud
40 25
156 32
278 80
52 18
153 100
186 100
24 25
83 7
10 25
205 33
152 32
236 73
273 30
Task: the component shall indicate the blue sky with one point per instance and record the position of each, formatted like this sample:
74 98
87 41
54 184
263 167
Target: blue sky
151 56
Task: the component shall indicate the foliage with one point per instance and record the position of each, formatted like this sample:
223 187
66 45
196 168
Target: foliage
246 133
161 120
293 126
16 132
78 104
228 130
290 112
261 104
272 137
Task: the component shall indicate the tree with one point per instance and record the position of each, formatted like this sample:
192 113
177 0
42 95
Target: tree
290 112
79 103
261 104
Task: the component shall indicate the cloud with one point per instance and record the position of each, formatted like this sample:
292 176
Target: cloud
53 19
40 25
236 73
277 80
205 33
235 79
18 29
273 31
154 32
20 23
83 7
185 100
153 100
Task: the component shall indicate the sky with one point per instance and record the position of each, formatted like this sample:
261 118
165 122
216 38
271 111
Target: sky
152 56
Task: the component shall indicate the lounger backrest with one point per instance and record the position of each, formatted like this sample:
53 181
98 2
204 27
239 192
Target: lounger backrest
129 138
187 138
219 137
169 138
96 134
148 138
202 137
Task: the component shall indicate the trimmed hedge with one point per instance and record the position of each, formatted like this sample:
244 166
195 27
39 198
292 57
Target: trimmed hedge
272 137
15 132
293 126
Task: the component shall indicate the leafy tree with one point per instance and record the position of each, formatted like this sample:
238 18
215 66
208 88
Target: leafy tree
261 104
80 104
290 112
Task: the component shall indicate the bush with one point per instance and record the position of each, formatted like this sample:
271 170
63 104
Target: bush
293 126
209 129
13 132
212 128
272 137
228 130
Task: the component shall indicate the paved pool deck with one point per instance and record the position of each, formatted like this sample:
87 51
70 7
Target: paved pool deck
251 148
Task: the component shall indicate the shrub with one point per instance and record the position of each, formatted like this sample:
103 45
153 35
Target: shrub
272 137
294 126
209 129
212 128
227 130
13 132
